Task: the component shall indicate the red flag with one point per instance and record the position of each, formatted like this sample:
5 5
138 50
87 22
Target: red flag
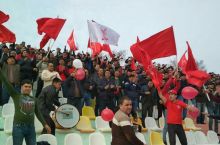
6 35
156 76
3 17
44 41
160 45
191 63
96 48
197 77
89 44
52 27
133 66
136 51
40 23
143 57
71 42
182 62
150 69
106 47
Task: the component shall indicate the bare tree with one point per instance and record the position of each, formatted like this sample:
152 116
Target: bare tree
201 65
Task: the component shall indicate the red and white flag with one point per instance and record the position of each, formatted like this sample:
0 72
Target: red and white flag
71 42
102 34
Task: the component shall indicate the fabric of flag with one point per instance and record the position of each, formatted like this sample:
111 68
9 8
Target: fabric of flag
44 41
102 34
40 23
136 51
96 48
155 75
191 63
133 66
3 17
144 58
182 63
197 77
160 45
71 42
52 27
106 47
6 35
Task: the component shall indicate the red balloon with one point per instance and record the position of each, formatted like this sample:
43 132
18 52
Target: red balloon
107 114
80 74
189 93
195 113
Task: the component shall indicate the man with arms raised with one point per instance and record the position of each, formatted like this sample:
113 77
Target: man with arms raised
174 116
25 110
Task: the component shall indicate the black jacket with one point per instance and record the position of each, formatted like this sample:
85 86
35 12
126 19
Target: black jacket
47 99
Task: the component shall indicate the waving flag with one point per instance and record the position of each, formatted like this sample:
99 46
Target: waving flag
160 45
40 23
191 63
96 48
182 62
51 27
194 76
197 77
44 41
144 58
136 51
71 42
106 47
3 17
102 34
6 35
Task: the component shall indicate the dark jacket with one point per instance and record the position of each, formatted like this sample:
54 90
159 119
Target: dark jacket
103 93
70 85
26 71
148 99
47 99
131 90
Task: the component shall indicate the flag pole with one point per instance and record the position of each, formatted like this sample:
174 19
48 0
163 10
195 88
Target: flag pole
50 47
176 70
207 95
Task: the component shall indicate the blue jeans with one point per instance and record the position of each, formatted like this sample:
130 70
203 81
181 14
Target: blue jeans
134 104
210 108
201 107
217 113
87 99
24 131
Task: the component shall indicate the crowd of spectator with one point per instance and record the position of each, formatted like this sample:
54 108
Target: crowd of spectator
105 81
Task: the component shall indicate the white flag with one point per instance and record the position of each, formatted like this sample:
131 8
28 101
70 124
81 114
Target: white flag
102 34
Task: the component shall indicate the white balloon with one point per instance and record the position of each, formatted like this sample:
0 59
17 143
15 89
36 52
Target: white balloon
77 63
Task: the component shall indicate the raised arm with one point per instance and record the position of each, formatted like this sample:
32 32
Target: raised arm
12 92
162 97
